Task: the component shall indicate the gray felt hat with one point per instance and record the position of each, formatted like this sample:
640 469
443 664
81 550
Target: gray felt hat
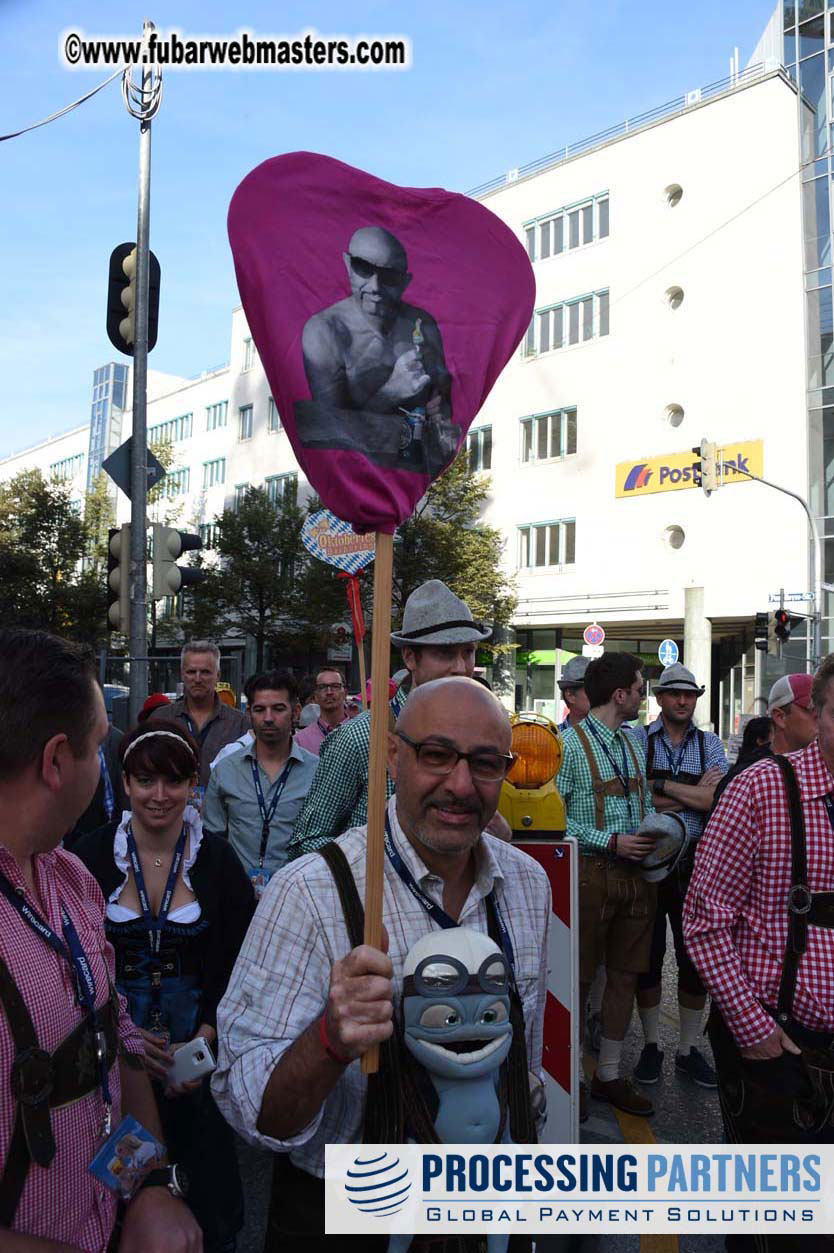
433 614
573 674
677 678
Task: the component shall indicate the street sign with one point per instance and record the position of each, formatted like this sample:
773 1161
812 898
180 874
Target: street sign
668 653
592 650
593 634
776 598
117 466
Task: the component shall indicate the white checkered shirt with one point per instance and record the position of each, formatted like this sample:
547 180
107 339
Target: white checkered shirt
280 982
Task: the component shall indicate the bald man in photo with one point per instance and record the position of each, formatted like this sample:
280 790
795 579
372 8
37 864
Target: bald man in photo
372 351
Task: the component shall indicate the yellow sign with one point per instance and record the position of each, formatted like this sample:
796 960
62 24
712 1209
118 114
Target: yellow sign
675 471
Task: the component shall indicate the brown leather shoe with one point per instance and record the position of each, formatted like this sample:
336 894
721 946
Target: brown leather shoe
583 1102
622 1094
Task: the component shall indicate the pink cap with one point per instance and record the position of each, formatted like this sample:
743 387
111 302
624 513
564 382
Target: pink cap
791 689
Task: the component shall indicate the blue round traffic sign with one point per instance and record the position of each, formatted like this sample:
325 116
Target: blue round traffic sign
668 653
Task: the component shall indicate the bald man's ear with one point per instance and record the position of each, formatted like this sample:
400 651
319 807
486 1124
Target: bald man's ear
393 750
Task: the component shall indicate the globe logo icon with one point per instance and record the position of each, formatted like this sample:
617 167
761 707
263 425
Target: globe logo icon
378 1185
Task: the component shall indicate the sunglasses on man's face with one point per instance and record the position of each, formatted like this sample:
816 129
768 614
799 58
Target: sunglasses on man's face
386 274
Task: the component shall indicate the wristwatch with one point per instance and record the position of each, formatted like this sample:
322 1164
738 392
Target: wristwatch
173 1178
659 787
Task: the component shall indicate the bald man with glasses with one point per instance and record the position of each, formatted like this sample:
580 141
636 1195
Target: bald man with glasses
372 351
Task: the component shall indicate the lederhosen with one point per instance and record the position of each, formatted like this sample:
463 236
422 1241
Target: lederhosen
41 1081
397 1107
611 787
672 890
785 1099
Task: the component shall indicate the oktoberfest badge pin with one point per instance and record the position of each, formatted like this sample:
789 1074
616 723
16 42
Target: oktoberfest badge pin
382 316
330 539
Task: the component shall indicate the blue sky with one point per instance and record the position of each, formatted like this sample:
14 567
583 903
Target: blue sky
493 85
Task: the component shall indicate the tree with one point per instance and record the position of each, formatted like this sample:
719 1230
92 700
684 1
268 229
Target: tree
99 517
42 541
251 589
446 539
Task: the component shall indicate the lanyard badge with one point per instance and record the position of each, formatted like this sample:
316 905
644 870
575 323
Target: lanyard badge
72 952
259 875
156 925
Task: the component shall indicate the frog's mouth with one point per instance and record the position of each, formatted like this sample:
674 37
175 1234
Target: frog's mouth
466 1051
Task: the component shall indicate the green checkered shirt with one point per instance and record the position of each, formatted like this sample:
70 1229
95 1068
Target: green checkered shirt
576 786
338 798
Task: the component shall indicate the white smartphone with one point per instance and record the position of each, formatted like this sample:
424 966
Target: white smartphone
192 1061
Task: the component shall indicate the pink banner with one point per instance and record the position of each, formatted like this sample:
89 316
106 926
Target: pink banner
382 315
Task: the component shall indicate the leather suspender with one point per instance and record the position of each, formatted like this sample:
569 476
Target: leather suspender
40 1082
610 787
804 906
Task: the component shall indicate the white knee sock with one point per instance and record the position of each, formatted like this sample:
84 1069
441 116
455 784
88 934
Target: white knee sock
650 1019
608 1062
691 1023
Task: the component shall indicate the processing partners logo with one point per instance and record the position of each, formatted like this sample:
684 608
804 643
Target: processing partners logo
486 1189
638 477
378 1184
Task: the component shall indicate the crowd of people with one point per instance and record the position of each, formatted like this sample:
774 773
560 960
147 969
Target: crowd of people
197 885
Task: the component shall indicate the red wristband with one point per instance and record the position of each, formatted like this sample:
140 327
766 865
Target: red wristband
328 1047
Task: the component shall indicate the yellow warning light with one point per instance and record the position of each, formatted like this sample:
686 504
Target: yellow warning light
538 746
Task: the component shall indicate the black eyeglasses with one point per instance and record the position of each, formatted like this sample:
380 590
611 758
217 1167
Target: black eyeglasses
387 274
442 759
329 687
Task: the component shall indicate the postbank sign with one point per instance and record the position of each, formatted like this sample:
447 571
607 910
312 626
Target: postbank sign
675 471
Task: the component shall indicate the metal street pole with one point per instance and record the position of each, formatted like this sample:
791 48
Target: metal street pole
141 104
819 586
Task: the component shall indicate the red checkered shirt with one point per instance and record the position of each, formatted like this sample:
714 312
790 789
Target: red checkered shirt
735 918
64 1203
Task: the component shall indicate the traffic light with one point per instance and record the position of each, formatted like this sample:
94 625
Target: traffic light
705 470
762 632
168 545
121 298
783 624
118 587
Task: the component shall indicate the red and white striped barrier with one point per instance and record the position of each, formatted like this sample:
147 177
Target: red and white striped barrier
560 1057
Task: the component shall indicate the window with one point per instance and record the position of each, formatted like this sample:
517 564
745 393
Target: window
479 448
208 534
571 322
573 226
172 606
281 486
216 415
273 421
547 544
171 431
245 422
67 468
176 483
546 436
250 354
214 472
241 492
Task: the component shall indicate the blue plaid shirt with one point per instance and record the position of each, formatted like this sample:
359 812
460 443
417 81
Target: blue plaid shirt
685 756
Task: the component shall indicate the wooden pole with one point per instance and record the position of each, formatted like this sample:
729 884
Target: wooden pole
380 665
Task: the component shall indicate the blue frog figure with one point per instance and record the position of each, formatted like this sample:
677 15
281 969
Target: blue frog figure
456 1024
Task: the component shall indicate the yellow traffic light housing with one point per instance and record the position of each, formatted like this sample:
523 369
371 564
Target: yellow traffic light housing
529 799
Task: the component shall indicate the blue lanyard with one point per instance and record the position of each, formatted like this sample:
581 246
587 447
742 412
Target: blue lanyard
622 776
431 907
72 952
109 798
674 762
199 736
267 814
155 925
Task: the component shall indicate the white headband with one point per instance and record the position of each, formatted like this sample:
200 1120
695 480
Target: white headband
149 734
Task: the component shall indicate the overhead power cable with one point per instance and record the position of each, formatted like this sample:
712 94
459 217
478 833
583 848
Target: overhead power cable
67 108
